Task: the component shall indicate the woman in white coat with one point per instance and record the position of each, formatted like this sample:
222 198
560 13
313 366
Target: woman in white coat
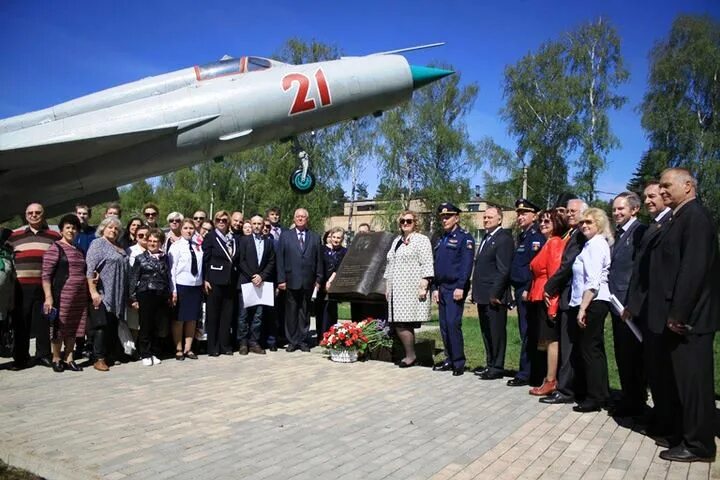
408 274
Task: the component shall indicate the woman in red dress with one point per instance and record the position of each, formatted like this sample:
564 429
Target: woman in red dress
554 226
66 294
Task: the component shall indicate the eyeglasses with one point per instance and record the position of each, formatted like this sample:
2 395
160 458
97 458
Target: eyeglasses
545 220
140 235
150 214
406 221
587 222
198 218
34 212
175 220
221 220
267 226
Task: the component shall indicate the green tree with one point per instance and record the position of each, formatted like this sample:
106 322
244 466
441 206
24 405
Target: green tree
596 71
425 150
541 117
680 108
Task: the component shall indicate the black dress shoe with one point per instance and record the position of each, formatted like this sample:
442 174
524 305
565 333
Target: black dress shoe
214 354
557 398
517 382
72 366
290 348
403 364
442 367
44 362
457 372
229 353
490 376
58 367
661 441
586 407
304 348
272 348
479 370
682 454
17 366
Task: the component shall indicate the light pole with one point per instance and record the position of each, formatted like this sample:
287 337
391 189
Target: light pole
212 199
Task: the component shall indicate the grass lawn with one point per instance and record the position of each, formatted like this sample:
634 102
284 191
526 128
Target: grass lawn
11 473
475 351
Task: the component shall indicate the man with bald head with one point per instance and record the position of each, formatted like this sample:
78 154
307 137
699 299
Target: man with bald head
299 273
685 281
29 244
559 284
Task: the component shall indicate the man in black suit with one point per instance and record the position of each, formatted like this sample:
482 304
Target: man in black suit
656 358
491 292
628 349
274 321
684 286
299 265
559 284
256 264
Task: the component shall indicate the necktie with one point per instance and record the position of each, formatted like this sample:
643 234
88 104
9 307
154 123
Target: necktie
193 260
301 238
618 233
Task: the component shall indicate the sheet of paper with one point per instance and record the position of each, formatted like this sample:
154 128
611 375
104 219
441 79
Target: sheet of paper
262 295
617 305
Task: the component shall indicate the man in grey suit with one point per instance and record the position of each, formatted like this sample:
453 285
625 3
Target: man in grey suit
299 266
491 291
628 349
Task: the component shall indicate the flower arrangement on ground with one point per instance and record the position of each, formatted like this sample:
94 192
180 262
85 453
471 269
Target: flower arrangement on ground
377 333
345 336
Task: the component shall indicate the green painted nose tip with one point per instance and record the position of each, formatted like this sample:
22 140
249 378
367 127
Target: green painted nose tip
423 75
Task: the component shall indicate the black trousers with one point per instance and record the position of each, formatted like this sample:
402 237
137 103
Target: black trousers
571 375
661 379
273 326
27 319
692 365
220 303
106 343
297 316
326 315
629 359
591 341
493 324
154 310
536 315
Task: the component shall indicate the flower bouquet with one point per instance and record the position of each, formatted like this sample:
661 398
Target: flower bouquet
377 333
345 341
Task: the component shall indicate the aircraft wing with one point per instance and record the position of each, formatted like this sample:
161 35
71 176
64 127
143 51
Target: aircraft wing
65 149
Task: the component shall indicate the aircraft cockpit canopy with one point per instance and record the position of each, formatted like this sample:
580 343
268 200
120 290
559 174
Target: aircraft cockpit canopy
233 66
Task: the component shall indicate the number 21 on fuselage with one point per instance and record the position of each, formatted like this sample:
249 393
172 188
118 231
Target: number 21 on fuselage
302 102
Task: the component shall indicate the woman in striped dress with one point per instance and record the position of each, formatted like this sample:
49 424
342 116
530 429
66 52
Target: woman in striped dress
66 294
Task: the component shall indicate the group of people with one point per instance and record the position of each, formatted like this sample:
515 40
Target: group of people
568 269
140 283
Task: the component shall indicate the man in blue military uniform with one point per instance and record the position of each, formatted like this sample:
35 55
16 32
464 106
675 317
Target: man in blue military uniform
453 265
529 243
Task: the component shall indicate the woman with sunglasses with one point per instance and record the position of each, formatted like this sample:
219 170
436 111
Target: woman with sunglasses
553 226
589 305
219 255
151 212
408 274
131 315
174 231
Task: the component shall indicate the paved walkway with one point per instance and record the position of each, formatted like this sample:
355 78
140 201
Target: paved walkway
300 416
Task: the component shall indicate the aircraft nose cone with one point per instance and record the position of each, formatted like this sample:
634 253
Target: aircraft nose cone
423 75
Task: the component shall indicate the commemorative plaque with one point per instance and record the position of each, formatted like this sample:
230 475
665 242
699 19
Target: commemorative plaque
360 276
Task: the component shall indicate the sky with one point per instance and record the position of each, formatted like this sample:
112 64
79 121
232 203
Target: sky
51 52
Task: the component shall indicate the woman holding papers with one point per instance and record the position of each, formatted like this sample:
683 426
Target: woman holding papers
554 226
186 263
589 299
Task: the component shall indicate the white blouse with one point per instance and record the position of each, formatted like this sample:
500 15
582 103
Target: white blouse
181 264
590 270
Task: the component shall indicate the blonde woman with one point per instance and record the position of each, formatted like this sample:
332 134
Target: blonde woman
589 303
408 274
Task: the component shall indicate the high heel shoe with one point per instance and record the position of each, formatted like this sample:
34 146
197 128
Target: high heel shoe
546 388
58 367
404 364
72 366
